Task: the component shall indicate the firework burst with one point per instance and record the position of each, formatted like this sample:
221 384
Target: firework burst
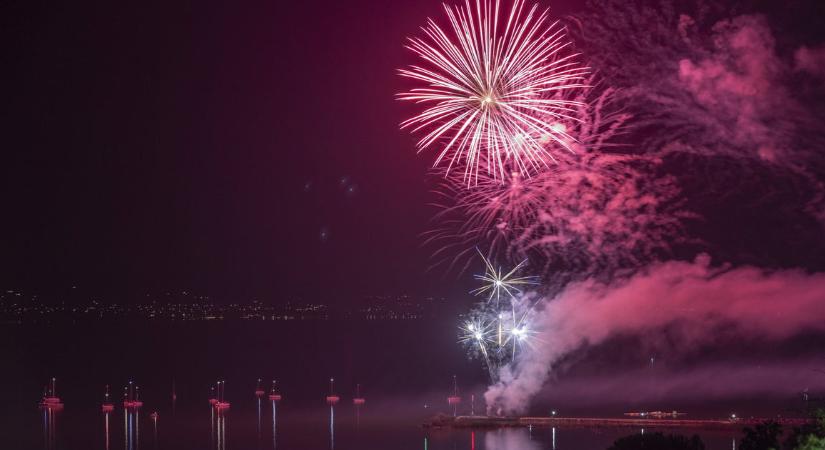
497 330
477 333
599 210
489 88
497 281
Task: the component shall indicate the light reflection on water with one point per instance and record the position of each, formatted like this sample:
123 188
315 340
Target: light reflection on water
219 418
331 427
131 428
274 425
106 429
155 431
509 439
50 428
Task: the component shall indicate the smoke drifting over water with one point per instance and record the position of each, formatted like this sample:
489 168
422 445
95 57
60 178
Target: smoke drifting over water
701 131
696 303
734 111
692 386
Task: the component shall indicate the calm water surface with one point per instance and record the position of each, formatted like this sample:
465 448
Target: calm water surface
245 427
406 374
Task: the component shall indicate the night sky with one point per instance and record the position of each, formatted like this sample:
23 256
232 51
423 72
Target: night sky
246 150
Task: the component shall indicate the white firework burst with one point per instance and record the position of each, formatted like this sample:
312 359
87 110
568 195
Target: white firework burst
490 88
497 282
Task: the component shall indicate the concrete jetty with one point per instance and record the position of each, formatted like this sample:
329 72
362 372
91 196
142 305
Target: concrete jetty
444 421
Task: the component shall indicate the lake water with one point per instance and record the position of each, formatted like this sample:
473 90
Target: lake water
246 427
406 369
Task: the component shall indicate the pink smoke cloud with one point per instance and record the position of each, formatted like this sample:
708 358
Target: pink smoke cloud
697 301
605 214
740 82
705 84
596 209
811 60
710 382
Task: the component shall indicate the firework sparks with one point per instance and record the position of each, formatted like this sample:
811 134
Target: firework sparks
558 217
477 332
496 281
477 335
496 332
489 88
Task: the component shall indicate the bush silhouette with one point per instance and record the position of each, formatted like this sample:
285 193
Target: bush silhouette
810 436
658 441
764 436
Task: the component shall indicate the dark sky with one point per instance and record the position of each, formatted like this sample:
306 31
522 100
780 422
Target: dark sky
234 149
208 145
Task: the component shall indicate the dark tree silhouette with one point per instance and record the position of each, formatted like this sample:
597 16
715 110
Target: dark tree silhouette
658 441
764 436
810 436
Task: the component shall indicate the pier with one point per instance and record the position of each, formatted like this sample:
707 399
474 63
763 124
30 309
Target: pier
444 421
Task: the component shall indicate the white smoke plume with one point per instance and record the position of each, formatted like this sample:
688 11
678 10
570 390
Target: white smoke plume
696 300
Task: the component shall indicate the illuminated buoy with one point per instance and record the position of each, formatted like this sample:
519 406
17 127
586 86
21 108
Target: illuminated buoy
454 399
332 399
107 405
131 396
273 393
213 398
50 399
221 403
358 400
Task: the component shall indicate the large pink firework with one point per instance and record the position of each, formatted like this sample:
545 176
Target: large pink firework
598 210
490 89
